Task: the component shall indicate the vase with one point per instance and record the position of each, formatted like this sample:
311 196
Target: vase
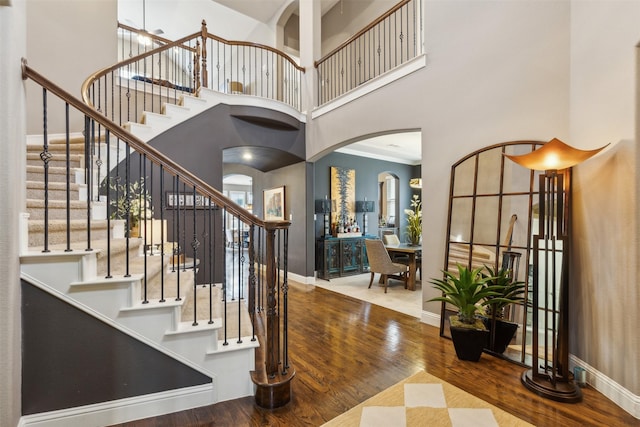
469 343
501 334
413 240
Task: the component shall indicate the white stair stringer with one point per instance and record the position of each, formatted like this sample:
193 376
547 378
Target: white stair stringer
70 276
153 124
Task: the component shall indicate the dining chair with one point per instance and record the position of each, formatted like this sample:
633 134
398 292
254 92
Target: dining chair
393 240
380 262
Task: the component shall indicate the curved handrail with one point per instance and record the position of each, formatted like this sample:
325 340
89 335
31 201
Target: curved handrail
251 44
85 90
151 153
185 65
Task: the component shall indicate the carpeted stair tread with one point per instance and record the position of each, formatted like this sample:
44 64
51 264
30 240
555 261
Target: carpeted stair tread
57 159
97 245
57 209
52 185
58 145
56 173
58 231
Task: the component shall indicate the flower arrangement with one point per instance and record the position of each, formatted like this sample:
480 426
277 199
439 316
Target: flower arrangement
414 220
138 202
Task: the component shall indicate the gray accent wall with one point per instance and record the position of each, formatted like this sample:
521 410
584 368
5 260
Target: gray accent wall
367 171
87 361
198 145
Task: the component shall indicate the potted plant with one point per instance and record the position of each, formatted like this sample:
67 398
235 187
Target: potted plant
507 291
132 206
414 221
468 292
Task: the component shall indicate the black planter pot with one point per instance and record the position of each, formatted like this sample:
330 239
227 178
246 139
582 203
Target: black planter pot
499 336
469 343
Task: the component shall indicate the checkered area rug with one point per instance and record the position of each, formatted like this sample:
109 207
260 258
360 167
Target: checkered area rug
425 400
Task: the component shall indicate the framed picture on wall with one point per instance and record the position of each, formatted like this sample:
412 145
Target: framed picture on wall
186 200
273 204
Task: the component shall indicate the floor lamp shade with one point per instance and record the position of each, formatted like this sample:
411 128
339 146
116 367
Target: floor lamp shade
549 375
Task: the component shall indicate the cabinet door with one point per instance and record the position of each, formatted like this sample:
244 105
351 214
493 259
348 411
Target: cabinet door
364 260
332 258
350 256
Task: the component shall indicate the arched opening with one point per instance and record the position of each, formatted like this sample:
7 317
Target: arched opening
388 203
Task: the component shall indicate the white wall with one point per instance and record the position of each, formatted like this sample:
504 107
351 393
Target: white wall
603 95
491 76
346 18
59 46
12 161
512 70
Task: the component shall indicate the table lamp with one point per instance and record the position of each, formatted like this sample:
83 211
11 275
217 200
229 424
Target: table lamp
325 207
364 206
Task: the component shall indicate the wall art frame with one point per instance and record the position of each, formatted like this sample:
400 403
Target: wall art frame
273 204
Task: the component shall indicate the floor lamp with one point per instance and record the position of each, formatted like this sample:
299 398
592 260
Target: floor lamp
549 375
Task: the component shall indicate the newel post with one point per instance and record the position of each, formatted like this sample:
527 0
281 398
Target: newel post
273 319
204 36
273 384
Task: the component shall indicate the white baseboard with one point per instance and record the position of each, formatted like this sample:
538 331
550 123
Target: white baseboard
430 319
301 279
123 410
612 390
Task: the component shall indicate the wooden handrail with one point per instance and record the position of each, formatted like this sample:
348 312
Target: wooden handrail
151 153
103 72
361 32
251 44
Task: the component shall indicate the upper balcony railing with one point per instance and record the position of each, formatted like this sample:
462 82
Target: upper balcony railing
154 70
389 41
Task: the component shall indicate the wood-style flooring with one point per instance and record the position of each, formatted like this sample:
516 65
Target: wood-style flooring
345 350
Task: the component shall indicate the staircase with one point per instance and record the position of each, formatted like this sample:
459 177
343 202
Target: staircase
129 301
173 305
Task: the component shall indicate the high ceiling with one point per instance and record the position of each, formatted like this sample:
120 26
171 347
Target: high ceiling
403 147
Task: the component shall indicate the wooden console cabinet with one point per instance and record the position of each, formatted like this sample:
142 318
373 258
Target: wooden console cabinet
341 257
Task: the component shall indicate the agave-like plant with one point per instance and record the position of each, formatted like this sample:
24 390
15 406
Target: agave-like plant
467 291
509 291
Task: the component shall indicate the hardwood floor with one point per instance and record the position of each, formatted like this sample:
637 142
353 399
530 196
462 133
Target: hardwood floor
345 351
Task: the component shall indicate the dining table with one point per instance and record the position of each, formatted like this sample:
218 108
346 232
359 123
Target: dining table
414 252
